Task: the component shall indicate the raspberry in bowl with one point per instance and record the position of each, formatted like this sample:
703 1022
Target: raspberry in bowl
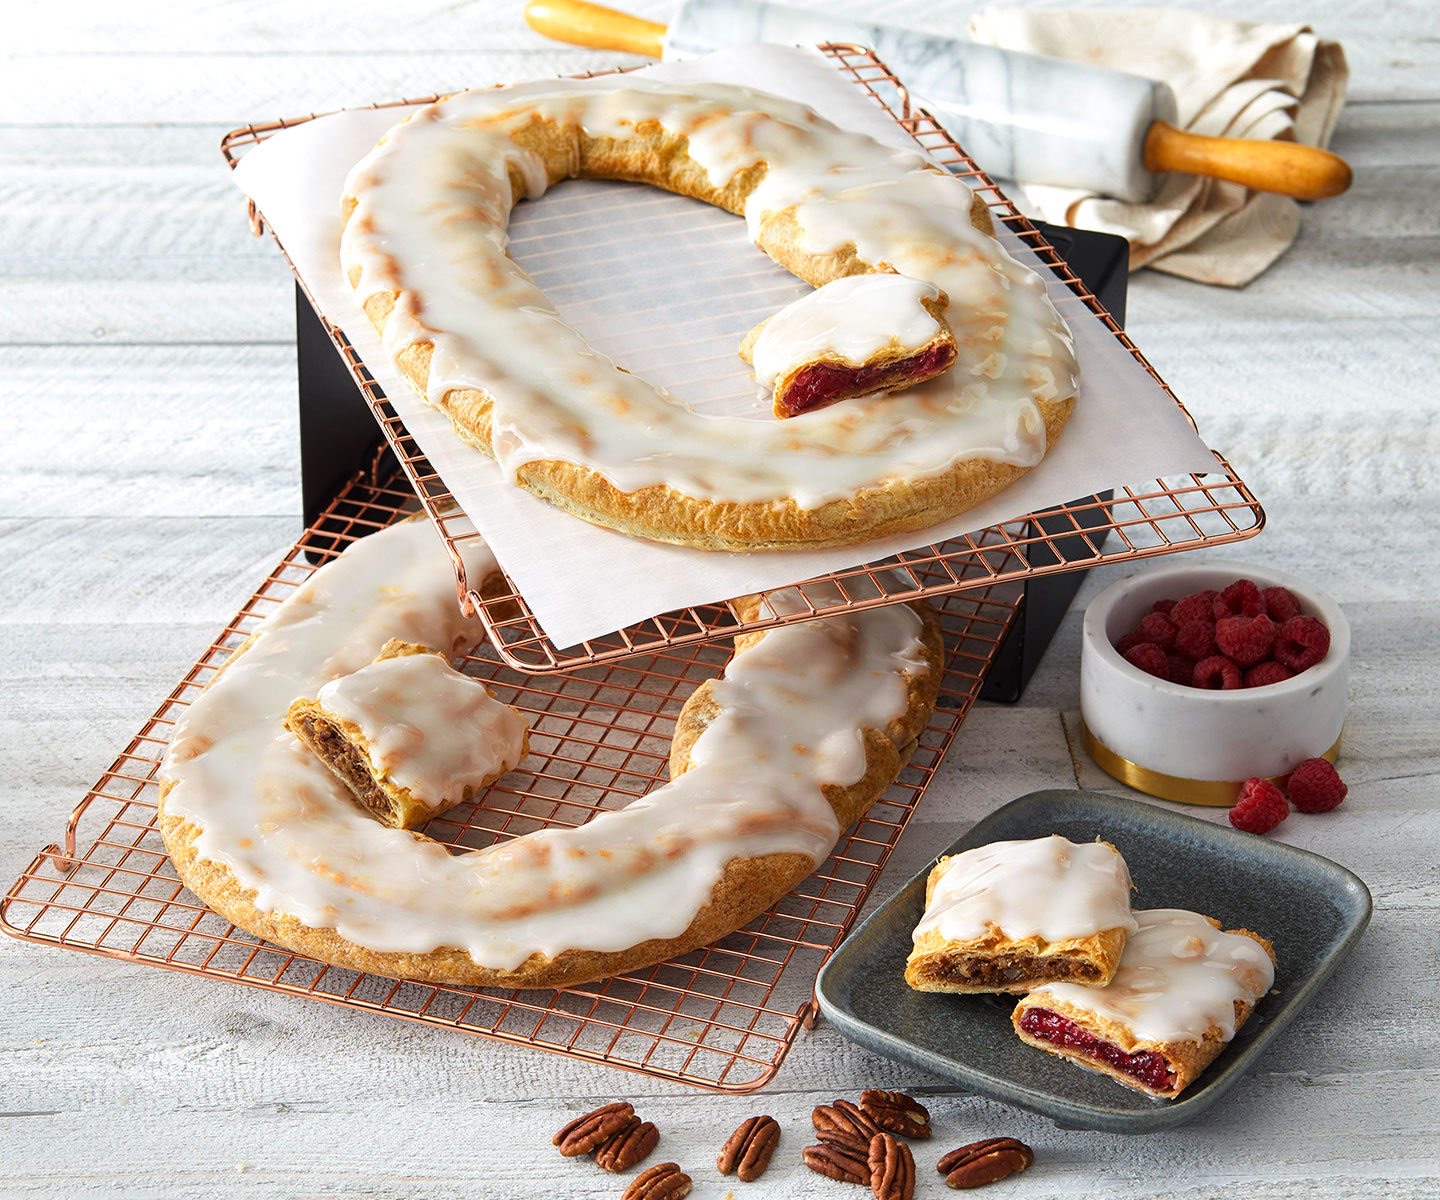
1256 664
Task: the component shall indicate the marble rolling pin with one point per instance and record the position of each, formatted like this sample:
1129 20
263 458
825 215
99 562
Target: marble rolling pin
1020 116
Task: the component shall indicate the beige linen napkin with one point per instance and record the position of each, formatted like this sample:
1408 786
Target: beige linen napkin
1230 78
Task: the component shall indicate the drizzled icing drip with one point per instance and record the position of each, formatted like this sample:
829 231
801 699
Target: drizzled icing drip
850 320
428 728
791 710
1178 978
432 206
1051 887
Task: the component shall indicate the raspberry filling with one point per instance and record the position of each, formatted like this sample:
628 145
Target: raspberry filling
824 383
1149 1068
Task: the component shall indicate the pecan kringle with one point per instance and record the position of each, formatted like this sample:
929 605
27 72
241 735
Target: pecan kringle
842 1119
629 1146
748 1151
892 1168
984 1162
664 1181
895 1112
593 1129
838 1161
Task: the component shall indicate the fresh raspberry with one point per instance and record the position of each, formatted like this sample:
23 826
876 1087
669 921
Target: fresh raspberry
1195 639
1181 669
1157 628
1241 599
1280 604
1197 606
1216 673
1316 786
1259 807
1129 642
1245 640
1163 607
1301 643
1268 672
1150 659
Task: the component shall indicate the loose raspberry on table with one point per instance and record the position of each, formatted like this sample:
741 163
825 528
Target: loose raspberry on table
1301 643
1268 672
1259 807
1241 599
1316 786
1158 629
1280 604
1216 673
1163 607
1195 639
1245 640
1197 606
1181 669
1150 659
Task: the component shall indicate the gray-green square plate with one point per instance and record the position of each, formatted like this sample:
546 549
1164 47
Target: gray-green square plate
1312 909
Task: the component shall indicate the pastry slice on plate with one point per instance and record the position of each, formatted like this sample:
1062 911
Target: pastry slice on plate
409 735
1183 989
1011 916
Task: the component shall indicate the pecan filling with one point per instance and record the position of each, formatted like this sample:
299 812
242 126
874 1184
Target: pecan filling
347 761
1009 968
1147 1066
822 384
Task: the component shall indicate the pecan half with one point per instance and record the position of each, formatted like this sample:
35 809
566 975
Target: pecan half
748 1151
596 1128
895 1112
629 1146
838 1161
844 1120
892 1168
984 1162
664 1181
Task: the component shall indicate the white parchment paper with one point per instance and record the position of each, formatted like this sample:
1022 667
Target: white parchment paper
667 287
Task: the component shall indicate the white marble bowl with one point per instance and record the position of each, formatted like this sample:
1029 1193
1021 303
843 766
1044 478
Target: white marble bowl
1191 744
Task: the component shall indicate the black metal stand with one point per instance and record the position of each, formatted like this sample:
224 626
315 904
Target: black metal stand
338 436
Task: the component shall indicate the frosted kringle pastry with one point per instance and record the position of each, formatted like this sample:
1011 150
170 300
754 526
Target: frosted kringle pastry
424 248
1011 916
1183 988
854 337
410 736
807 726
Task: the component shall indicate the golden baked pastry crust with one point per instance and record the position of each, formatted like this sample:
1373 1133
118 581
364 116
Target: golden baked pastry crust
939 964
746 888
1187 1059
342 746
655 156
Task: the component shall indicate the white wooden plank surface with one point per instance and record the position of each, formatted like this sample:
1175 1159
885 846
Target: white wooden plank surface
151 479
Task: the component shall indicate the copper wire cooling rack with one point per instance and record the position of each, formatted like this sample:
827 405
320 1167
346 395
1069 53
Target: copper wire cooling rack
722 1018
1155 518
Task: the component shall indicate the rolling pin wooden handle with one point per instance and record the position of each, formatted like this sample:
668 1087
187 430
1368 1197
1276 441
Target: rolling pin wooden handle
1305 172
596 26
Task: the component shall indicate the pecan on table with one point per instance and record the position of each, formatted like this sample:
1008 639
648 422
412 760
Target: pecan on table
664 1181
630 1145
892 1168
895 1112
585 1133
748 1151
840 1118
984 1162
838 1161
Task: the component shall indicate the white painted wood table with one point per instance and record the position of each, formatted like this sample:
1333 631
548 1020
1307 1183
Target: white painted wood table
151 479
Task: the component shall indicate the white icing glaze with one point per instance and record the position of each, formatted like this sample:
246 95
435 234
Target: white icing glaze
428 728
792 709
433 202
1050 886
1178 978
850 320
